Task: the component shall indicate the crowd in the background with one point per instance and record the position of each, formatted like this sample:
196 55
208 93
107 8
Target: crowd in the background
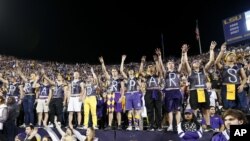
188 94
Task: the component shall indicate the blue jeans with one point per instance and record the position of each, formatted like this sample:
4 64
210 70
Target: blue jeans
28 107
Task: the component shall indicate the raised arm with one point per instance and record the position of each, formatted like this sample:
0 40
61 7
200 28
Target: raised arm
47 78
78 135
143 60
104 68
211 56
122 67
33 134
59 129
4 80
184 49
94 75
157 65
35 84
161 65
21 75
182 65
218 59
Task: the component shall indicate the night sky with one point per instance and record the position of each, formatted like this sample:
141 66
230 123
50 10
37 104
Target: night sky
60 30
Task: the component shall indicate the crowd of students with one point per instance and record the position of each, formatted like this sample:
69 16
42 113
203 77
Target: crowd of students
172 92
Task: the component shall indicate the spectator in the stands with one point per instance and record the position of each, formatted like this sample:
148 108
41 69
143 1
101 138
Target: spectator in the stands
32 133
68 135
189 129
230 117
90 135
216 121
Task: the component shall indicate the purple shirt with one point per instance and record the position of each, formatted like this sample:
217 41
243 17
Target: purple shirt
215 121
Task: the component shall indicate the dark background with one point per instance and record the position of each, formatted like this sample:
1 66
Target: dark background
81 31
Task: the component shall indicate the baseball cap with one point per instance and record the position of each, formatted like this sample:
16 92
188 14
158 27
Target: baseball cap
188 111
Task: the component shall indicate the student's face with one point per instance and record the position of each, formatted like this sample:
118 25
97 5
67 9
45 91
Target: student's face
28 130
90 79
89 133
76 75
170 65
114 72
188 116
230 120
68 132
231 58
59 78
196 64
212 110
150 69
131 72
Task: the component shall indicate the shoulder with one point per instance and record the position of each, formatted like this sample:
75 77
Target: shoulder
216 136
